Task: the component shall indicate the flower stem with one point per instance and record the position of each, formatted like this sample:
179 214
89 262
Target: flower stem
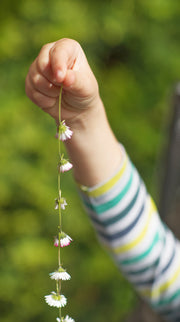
59 179
58 285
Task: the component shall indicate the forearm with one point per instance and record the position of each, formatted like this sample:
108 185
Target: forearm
93 148
127 222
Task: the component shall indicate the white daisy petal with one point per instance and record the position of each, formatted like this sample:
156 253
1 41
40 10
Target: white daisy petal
61 274
66 135
56 242
68 319
55 300
65 240
65 132
63 203
65 167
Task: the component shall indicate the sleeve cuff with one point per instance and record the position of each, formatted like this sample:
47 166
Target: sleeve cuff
106 185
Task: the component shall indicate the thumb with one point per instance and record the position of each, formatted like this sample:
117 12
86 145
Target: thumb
80 83
70 79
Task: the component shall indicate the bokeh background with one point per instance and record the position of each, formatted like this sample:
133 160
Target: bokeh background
133 47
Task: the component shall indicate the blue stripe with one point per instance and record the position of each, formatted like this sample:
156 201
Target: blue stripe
167 301
125 231
99 209
168 265
143 255
118 217
142 270
142 283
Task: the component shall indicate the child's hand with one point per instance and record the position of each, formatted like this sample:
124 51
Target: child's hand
62 63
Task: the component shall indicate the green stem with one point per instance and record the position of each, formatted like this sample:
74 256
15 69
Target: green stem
59 176
59 198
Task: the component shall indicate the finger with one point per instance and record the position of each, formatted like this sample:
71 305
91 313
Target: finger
37 97
41 84
79 82
42 62
63 56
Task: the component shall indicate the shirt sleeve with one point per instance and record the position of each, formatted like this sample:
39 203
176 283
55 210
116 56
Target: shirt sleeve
128 224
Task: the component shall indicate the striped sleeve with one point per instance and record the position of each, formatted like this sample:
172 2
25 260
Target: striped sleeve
127 223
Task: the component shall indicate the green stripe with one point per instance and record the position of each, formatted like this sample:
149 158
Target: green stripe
143 255
167 300
110 204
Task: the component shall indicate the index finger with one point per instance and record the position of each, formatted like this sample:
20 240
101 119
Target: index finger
43 62
63 56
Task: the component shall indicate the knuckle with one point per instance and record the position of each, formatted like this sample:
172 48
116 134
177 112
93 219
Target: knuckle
41 64
36 80
42 101
55 50
34 76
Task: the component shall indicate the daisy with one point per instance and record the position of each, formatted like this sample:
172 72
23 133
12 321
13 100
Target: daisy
60 274
64 132
55 300
64 165
62 202
65 240
56 242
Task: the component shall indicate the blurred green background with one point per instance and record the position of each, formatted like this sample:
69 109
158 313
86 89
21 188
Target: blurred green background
133 47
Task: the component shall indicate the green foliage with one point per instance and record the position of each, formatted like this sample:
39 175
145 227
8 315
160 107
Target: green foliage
133 47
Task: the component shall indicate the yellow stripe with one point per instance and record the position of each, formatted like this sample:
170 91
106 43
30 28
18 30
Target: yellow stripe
127 247
108 185
156 292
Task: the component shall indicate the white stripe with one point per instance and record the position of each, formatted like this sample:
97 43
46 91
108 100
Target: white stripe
167 277
134 234
153 272
144 245
166 252
127 220
131 215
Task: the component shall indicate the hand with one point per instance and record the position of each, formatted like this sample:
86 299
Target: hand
62 63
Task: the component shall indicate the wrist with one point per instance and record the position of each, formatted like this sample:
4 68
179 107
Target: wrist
87 117
93 148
